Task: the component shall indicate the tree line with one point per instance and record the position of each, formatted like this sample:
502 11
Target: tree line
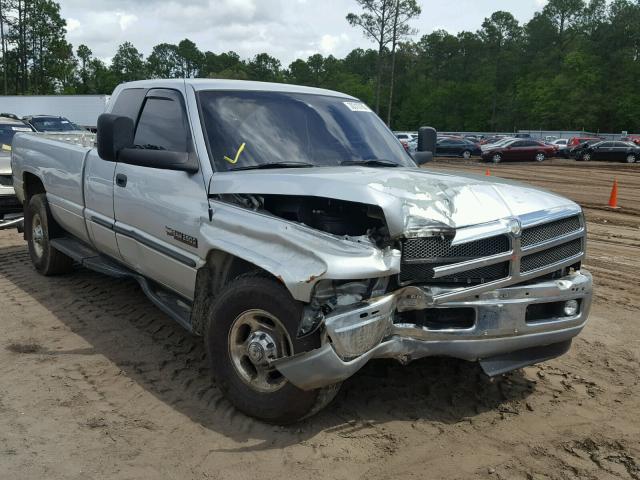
574 65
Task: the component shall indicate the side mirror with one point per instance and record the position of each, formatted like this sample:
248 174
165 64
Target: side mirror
162 159
427 138
114 134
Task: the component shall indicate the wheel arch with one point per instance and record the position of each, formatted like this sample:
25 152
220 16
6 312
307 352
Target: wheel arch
219 270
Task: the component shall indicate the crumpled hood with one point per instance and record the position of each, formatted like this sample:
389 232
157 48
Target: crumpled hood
411 198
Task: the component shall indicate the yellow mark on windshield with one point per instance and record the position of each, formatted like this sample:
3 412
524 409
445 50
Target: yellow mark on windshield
235 160
6 147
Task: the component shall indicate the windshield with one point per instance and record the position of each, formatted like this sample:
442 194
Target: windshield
248 129
54 124
7 131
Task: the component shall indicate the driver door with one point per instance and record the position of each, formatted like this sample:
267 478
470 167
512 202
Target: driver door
157 211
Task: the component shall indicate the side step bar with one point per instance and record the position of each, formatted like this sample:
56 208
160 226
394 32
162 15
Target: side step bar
173 305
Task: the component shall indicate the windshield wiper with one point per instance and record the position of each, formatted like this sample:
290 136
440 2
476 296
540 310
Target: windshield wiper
264 166
371 163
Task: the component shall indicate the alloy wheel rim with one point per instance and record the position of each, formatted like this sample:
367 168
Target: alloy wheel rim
497 158
37 235
256 338
631 159
540 157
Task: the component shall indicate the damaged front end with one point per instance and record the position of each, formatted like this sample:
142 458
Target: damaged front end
403 264
508 294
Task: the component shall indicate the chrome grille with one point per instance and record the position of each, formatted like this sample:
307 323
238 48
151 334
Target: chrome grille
497 254
548 231
549 257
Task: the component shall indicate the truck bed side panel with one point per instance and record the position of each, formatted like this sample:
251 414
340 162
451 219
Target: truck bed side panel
59 165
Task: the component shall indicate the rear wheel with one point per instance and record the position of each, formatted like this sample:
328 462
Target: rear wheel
40 228
631 158
255 320
466 154
540 157
497 158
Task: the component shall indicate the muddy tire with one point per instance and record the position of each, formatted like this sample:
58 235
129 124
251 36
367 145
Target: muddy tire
252 319
40 228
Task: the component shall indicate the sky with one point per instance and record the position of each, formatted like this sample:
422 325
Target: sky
286 29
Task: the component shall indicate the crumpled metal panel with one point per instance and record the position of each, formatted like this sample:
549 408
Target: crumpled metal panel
298 255
415 201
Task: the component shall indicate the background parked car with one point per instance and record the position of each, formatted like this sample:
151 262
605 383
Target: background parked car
575 141
9 126
499 143
51 123
627 152
576 151
631 138
519 150
492 139
457 147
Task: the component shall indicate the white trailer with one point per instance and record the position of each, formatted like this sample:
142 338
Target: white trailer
82 110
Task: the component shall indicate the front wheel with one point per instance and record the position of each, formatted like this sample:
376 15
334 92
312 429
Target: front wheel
253 321
631 158
586 157
40 228
540 157
466 154
497 158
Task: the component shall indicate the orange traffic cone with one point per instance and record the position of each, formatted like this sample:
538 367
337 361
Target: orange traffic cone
487 173
613 199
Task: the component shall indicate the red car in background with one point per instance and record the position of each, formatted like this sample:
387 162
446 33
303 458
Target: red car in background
519 149
574 141
631 138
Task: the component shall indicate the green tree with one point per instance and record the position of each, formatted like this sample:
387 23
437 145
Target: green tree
376 22
127 64
403 12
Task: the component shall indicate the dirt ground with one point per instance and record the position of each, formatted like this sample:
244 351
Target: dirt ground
95 382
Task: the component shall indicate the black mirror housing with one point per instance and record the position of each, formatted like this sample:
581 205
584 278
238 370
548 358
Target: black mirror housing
162 159
114 133
427 137
423 157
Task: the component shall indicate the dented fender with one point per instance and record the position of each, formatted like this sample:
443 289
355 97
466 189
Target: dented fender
296 254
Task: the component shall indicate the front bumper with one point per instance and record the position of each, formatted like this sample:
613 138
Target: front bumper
500 328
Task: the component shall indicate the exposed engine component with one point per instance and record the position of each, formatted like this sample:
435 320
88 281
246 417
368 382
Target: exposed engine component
337 217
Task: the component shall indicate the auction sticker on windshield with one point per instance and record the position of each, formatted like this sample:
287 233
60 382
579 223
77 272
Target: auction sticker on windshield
357 107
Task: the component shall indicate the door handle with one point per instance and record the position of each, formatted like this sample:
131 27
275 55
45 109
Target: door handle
121 180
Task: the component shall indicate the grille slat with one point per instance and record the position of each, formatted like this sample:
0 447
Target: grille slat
549 231
421 255
438 247
551 256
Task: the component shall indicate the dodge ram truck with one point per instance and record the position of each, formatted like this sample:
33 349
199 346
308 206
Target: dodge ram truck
289 228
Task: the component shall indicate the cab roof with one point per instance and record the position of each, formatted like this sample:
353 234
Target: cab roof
199 84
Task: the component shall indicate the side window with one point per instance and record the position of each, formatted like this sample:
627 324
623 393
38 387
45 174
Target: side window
607 145
128 102
163 125
518 144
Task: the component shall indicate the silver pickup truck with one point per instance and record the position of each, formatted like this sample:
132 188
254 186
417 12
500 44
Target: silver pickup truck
288 227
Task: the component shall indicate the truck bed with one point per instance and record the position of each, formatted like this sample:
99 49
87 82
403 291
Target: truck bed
58 159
